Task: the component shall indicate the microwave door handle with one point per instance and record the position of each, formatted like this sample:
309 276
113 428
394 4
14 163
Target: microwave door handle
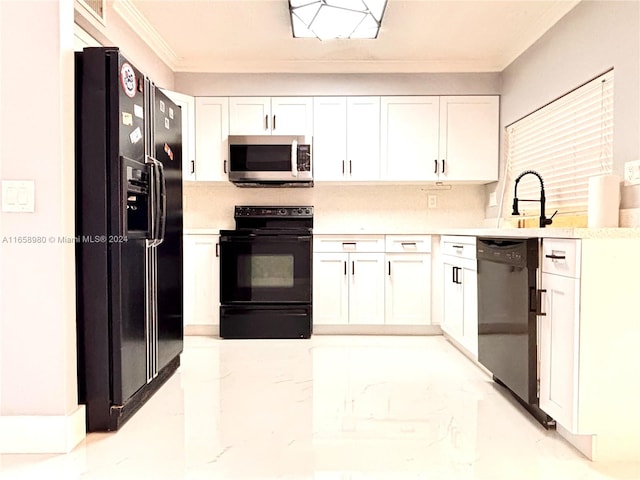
294 158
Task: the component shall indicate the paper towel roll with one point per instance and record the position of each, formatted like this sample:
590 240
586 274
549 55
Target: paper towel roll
604 201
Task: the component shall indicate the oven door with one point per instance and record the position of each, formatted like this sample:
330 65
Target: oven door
265 268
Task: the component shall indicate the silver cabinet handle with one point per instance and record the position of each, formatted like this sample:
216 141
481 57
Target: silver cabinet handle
224 166
266 122
443 165
435 166
274 122
193 166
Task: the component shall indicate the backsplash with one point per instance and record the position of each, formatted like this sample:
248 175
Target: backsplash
343 208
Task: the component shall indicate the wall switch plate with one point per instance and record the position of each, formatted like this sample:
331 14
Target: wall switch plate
632 173
493 199
432 201
18 196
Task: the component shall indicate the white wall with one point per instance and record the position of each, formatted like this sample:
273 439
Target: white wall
592 38
37 317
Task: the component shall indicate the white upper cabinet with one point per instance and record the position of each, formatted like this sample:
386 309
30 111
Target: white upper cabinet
363 138
409 138
346 138
292 116
212 139
469 137
270 116
250 116
329 138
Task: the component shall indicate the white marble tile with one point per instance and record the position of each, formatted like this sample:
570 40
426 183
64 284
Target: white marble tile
328 408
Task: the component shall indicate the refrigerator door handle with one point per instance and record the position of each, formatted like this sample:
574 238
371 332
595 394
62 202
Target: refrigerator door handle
162 204
158 202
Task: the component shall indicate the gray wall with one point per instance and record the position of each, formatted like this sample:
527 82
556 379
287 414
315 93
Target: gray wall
592 38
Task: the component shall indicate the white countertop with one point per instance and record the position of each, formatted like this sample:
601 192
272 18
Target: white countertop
559 232
505 232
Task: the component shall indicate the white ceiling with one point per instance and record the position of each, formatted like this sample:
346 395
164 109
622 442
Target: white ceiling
416 36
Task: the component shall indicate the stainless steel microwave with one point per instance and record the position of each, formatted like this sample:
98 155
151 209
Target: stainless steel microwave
270 161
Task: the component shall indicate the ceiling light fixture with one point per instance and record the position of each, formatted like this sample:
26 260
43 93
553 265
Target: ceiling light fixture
328 19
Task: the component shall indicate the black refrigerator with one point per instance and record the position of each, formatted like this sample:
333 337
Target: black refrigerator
128 237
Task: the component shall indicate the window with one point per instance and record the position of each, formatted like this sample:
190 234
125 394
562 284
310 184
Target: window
566 142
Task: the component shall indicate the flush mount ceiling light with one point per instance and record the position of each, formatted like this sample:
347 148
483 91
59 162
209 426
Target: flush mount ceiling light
327 19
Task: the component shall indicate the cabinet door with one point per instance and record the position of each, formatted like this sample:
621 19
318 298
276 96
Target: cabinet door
250 116
366 288
292 116
330 289
201 280
469 278
363 138
558 349
408 289
409 138
329 138
187 105
212 138
469 130
452 305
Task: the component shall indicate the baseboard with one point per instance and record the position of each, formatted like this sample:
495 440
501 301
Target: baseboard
377 330
204 330
42 434
585 444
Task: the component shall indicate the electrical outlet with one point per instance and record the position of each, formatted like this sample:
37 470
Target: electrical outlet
432 201
632 173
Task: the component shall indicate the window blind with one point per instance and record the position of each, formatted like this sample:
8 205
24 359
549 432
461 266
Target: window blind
566 142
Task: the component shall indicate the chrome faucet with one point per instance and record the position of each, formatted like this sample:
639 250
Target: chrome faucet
544 221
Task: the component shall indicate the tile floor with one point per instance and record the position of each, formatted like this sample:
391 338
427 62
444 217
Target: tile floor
329 408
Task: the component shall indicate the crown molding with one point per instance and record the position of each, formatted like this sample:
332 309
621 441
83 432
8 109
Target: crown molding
141 26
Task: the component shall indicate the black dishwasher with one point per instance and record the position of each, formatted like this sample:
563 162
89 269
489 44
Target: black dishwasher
507 310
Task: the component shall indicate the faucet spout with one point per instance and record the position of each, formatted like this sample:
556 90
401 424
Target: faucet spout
544 221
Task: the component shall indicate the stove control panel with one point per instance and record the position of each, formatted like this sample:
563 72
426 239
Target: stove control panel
273 212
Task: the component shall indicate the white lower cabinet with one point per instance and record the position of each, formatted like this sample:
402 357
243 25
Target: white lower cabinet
558 330
348 288
460 291
201 281
372 280
408 280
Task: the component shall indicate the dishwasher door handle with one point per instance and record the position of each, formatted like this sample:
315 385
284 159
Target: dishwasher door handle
535 301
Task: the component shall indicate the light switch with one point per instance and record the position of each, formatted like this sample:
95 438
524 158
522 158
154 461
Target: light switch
18 196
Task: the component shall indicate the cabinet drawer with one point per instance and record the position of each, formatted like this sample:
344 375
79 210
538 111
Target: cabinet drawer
561 256
458 246
408 243
348 243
